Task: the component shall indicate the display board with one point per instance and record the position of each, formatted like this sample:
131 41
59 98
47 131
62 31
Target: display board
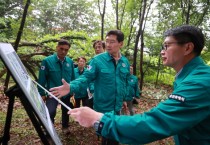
22 78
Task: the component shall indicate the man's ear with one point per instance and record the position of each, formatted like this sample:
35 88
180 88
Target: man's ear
121 44
189 48
56 48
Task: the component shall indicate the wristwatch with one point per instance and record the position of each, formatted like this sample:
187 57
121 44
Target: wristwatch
98 127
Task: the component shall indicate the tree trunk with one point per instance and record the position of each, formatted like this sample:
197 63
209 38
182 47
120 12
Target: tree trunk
22 25
158 72
122 16
143 23
117 22
188 12
102 14
139 34
18 39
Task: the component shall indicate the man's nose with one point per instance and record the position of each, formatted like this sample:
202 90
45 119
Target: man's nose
162 52
107 44
64 51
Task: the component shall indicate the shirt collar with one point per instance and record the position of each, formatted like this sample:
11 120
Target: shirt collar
57 58
110 57
178 73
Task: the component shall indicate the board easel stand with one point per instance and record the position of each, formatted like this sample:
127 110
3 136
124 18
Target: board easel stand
42 132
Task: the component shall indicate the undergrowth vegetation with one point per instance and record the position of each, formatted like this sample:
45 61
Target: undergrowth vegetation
22 130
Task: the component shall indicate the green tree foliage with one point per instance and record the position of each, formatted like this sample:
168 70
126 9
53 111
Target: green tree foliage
10 14
167 14
80 22
56 16
173 13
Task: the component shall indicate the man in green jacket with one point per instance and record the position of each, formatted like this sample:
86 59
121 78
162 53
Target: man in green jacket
99 47
133 92
53 69
110 71
81 96
186 112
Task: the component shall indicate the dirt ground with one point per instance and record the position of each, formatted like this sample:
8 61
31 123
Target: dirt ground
22 130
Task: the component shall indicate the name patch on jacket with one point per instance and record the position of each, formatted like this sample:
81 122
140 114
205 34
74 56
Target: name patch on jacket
178 98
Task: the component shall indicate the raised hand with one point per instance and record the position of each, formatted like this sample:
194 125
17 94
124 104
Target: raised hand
61 90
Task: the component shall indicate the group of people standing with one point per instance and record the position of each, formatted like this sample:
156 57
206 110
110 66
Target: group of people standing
184 115
105 85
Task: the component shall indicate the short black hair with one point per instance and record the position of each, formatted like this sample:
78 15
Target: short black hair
188 33
118 33
64 42
99 41
81 57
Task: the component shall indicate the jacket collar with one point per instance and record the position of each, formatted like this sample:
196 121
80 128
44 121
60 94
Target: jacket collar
189 67
109 56
57 59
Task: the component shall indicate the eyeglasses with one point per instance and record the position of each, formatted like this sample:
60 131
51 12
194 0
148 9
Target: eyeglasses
110 42
166 45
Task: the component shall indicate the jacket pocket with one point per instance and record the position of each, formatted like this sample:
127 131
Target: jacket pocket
68 69
105 71
53 70
106 74
124 72
54 74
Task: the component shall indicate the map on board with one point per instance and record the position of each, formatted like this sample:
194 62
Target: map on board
20 75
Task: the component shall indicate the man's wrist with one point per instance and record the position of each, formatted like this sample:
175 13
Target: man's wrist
99 116
98 126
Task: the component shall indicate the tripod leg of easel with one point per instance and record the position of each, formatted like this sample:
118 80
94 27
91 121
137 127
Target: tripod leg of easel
6 136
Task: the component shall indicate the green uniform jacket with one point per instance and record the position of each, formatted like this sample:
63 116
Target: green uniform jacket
133 88
83 91
110 82
53 70
91 87
185 114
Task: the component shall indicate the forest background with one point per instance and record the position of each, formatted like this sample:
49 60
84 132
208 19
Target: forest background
34 27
